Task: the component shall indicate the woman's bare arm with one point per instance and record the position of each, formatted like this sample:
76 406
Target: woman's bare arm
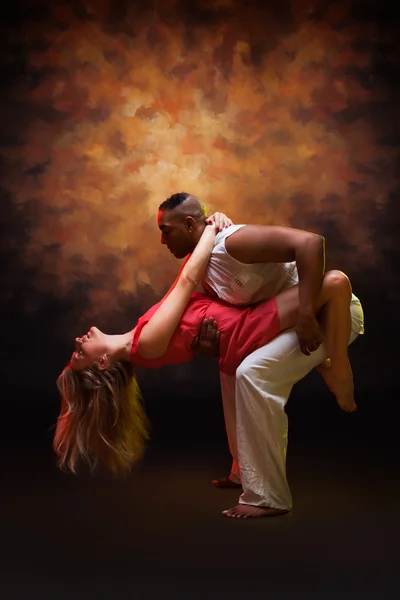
176 280
220 221
156 335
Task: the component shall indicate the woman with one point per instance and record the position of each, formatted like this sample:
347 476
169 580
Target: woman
101 415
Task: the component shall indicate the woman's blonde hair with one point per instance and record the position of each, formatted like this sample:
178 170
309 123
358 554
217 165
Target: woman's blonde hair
101 419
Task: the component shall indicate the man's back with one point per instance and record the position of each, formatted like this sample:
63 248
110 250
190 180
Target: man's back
241 283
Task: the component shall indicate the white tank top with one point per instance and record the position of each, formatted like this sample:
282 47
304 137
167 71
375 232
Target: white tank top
242 283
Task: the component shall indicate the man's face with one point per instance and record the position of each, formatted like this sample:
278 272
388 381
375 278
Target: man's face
176 232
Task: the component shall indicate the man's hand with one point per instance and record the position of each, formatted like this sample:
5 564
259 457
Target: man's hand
207 342
220 220
309 333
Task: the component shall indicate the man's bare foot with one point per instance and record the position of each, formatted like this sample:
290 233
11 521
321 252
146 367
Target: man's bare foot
226 483
340 383
247 511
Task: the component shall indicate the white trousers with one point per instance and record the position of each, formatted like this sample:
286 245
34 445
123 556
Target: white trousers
254 408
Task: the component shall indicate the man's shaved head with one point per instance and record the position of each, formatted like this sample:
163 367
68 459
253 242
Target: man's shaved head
181 219
186 205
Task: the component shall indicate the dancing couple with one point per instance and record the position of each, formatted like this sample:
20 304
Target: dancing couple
269 312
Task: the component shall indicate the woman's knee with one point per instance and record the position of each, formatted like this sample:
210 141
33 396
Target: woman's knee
338 282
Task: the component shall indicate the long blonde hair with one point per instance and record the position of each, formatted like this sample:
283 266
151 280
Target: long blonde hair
101 419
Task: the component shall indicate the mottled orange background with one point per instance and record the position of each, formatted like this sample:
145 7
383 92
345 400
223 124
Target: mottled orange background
268 114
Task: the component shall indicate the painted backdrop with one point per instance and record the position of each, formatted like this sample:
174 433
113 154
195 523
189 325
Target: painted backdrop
273 112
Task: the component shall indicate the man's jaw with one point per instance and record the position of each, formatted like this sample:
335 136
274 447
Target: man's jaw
175 253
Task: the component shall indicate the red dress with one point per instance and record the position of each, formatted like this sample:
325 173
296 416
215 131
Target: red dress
242 330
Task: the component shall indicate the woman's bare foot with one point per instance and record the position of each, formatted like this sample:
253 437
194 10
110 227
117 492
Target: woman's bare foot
340 383
247 511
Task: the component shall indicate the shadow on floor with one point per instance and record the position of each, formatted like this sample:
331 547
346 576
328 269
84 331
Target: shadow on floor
159 533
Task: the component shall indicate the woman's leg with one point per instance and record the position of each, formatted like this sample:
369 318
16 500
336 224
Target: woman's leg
336 369
333 306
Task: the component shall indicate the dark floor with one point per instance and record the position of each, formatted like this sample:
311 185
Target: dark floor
160 533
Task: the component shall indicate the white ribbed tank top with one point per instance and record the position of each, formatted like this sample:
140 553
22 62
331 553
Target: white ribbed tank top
242 283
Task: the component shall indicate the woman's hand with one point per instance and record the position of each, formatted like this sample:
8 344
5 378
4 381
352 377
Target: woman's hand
220 221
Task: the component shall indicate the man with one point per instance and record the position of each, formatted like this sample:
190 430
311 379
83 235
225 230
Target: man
250 263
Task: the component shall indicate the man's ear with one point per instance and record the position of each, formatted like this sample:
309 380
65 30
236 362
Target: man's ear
104 362
190 223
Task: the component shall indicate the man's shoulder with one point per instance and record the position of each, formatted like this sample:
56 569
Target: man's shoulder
225 233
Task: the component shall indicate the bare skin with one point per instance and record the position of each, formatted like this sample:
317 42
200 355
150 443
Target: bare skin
226 483
336 327
333 303
336 370
333 306
181 228
340 383
247 511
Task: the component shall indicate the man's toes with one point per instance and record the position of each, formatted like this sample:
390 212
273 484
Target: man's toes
230 512
236 512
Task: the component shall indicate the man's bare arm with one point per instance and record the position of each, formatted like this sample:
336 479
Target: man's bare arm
255 244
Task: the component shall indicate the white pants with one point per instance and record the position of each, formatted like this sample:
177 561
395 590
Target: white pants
254 408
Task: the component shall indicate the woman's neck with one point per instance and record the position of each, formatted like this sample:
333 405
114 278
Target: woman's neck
121 345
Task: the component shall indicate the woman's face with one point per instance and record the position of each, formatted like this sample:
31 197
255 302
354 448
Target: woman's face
89 348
